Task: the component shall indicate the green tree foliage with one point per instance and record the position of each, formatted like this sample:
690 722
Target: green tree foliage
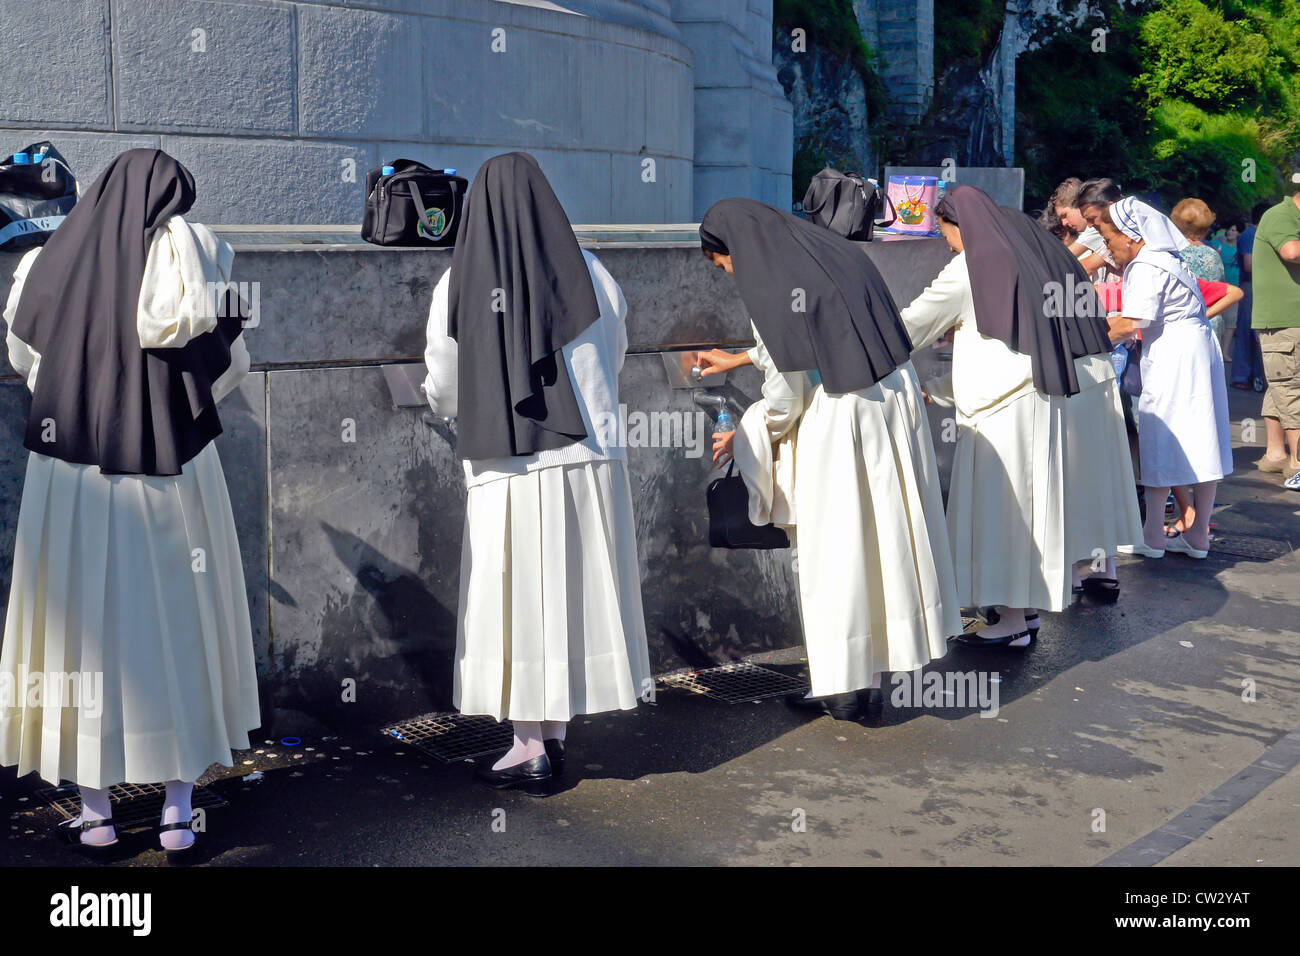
965 29
1190 98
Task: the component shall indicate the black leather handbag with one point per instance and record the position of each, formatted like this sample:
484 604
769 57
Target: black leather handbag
34 196
413 205
729 524
844 203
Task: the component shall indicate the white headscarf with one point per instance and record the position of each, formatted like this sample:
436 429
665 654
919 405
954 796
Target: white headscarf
1137 220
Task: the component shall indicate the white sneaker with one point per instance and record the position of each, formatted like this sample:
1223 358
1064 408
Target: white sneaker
1293 482
1179 545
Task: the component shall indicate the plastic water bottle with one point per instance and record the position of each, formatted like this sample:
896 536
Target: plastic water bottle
725 421
1119 359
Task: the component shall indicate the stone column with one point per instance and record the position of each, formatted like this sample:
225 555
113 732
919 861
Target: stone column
744 126
906 46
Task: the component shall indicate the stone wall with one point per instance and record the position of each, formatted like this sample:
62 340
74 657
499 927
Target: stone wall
279 108
352 548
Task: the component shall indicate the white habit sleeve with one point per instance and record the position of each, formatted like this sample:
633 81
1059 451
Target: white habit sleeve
939 307
440 355
25 359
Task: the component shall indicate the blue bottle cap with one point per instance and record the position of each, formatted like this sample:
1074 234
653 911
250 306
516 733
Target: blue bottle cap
450 172
388 170
22 159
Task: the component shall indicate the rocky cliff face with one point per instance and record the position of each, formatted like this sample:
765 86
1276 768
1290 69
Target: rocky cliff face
971 114
831 126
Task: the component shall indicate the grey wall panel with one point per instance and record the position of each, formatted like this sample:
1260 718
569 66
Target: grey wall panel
242 447
196 66
54 63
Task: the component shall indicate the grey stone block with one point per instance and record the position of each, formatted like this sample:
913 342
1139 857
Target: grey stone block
289 181
335 306
667 199
242 447
54 63
1006 185
527 94
365 548
717 70
360 73
194 65
87 153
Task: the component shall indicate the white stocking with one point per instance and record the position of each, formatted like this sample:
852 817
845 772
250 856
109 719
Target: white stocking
528 744
177 809
95 805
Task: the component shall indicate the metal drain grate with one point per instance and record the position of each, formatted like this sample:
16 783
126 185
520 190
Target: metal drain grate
1249 546
134 804
452 736
736 683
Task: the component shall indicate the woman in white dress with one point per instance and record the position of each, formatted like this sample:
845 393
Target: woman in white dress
1183 430
127 576
526 339
1041 476
838 450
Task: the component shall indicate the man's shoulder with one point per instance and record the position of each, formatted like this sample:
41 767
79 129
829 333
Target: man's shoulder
1280 221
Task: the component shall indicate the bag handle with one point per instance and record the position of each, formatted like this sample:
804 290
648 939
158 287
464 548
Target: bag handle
889 200
423 213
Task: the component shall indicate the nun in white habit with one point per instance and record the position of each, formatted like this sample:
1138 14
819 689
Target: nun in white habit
1183 429
838 450
526 339
127 582
1041 476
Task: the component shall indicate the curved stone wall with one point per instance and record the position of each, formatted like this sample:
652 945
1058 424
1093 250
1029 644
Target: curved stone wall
279 108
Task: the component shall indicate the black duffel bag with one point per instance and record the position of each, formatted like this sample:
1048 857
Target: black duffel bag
729 524
844 203
34 196
413 205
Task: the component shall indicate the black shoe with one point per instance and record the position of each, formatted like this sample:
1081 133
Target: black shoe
1032 621
555 752
974 640
871 701
1101 589
183 856
839 706
533 776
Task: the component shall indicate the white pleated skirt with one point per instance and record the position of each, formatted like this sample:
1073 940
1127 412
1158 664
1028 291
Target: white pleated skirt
1036 486
129 589
551 624
876 587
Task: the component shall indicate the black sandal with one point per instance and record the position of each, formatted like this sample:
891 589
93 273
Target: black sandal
182 855
69 833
